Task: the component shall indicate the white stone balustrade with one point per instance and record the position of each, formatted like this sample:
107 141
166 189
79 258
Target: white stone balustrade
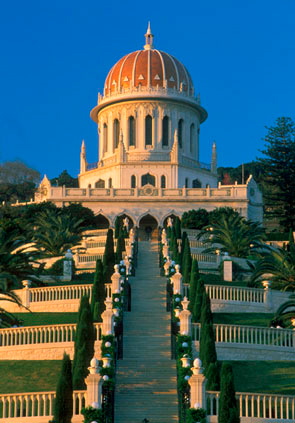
256 407
29 335
197 383
254 335
108 318
56 298
205 257
94 383
167 265
60 293
36 407
116 279
235 293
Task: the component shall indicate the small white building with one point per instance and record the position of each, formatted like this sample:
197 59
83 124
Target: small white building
149 166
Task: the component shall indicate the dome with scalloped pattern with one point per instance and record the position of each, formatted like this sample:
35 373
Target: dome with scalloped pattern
148 68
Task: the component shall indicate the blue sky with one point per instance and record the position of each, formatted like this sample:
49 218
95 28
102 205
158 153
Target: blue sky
55 56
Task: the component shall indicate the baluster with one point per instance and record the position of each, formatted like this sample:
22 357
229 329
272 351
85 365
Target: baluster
246 408
276 407
258 406
241 405
21 401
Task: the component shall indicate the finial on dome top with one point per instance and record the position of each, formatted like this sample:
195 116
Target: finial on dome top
149 38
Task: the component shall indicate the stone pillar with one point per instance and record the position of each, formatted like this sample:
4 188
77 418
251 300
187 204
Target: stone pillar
26 293
129 249
167 265
185 318
267 294
165 250
197 383
108 318
116 280
164 237
127 265
217 256
177 281
94 383
227 268
131 236
67 270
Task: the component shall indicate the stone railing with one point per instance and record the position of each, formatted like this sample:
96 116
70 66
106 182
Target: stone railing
235 293
256 408
82 259
29 335
60 293
203 257
96 232
231 293
54 298
239 334
36 407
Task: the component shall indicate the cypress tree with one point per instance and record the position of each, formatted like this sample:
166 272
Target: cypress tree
174 246
109 257
177 228
63 406
193 284
183 238
84 344
228 410
207 346
97 313
117 227
206 314
98 290
198 301
120 246
186 263
213 377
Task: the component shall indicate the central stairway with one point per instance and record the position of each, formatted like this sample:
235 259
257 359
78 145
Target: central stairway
146 377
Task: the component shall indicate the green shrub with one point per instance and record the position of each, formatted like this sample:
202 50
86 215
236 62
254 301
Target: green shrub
194 415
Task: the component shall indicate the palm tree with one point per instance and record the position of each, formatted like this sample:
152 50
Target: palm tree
56 232
233 234
279 265
16 260
285 315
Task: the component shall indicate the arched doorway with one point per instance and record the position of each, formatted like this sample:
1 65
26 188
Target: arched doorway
148 228
102 222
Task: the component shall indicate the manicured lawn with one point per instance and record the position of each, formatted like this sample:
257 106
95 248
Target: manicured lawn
28 376
35 319
248 319
270 377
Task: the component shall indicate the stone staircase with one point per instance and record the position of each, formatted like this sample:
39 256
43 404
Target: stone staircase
146 377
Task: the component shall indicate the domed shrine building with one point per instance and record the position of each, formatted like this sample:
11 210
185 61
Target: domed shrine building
149 168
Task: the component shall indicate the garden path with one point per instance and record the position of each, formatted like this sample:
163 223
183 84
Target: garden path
146 377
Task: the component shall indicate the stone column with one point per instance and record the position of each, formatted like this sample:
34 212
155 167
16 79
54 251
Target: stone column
267 294
67 269
26 293
164 236
165 250
185 318
197 383
108 318
94 383
177 281
227 268
116 280
167 265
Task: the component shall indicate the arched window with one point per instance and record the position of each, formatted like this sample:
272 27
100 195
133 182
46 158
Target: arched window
163 181
100 183
197 183
192 138
116 133
105 137
148 130
131 130
133 181
165 131
148 179
180 132
110 183
186 183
